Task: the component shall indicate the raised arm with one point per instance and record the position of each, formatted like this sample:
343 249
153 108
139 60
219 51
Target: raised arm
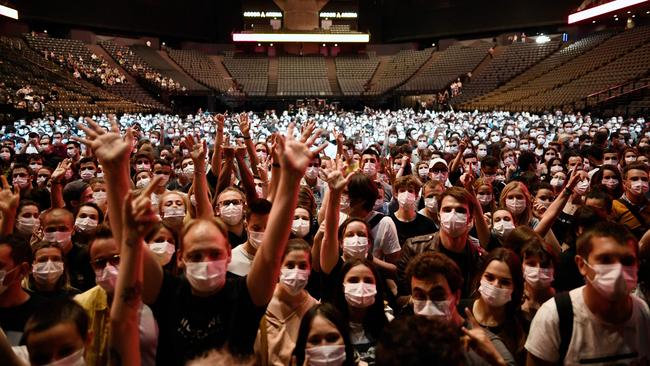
113 152
8 205
265 270
56 189
245 175
227 170
329 251
459 157
276 172
558 204
215 165
482 228
124 335
245 127
198 149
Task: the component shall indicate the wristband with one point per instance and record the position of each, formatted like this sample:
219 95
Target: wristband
276 165
247 137
567 192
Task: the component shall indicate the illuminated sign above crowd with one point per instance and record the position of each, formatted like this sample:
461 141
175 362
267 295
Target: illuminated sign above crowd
8 12
331 14
262 14
602 9
301 37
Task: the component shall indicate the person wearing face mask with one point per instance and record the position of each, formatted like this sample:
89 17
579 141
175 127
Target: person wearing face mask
313 181
539 264
360 297
105 260
603 317
57 334
301 224
88 219
456 211
632 208
278 331
87 168
230 208
162 242
257 215
370 164
435 284
172 209
408 222
431 192
73 150
21 176
49 278
27 219
142 160
608 178
16 304
324 339
142 179
439 171
498 292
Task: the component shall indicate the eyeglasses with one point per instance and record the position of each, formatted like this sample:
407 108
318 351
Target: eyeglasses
101 262
231 202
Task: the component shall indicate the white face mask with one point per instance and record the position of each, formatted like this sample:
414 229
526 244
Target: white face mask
406 200
556 168
503 228
22 182
312 172
515 205
74 359
333 355
188 171
369 169
360 294
431 204
87 174
556 182
47 272
294 280
107 278
484 199
62 238
300 228
423 172
432 309
27 225
538 277
613 281
206 276
85 224
99 197
143 167
163 251
355 246
255 238
440 177
453 223
581 188
481 153
143 183
610 183
639 187
422 145
494 296
232 214
173 216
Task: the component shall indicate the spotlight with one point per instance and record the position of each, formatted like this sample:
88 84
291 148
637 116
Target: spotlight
271 44
542 39
259 45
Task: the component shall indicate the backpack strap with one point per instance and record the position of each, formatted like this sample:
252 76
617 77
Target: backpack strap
375 220
565 312
635 212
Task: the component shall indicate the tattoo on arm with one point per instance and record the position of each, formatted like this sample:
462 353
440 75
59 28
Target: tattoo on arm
133 294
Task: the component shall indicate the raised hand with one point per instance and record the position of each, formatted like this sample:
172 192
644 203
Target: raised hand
295 155
221 121
338 177
138 214
479 341
110 147
307 130
244 124
198 150
240 152
576 176
8 200
59 173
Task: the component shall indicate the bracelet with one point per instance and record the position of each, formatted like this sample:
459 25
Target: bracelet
567 192
247 137
276 165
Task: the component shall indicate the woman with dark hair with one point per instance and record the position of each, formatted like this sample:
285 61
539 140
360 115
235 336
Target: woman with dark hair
49 275
499 289
278 332
27 219
609 177
323 337
359 296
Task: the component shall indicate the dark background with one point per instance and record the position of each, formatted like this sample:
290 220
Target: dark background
214 20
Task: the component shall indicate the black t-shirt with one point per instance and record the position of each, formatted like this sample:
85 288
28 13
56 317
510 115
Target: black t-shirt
236 240
81 272
190 325
420 226
563 227
13 319
467 268
567 275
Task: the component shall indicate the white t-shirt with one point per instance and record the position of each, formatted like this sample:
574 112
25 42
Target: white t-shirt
384 236
593 342
241 261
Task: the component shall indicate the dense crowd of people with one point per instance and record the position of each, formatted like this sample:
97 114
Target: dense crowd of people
326 238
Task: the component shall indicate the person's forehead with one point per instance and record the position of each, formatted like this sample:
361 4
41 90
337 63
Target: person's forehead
204 236
48 251
104 248
19 171
229 195
57 219
436 280
451 201
88 210
605 245
498 268
637 173
359 271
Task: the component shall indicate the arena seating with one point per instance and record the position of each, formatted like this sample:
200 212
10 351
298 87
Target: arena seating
354 72
249 72
455 61
515 59
400 67
303 76
155 61
202 69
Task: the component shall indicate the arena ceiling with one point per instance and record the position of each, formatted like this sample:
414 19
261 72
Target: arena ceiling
386 20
